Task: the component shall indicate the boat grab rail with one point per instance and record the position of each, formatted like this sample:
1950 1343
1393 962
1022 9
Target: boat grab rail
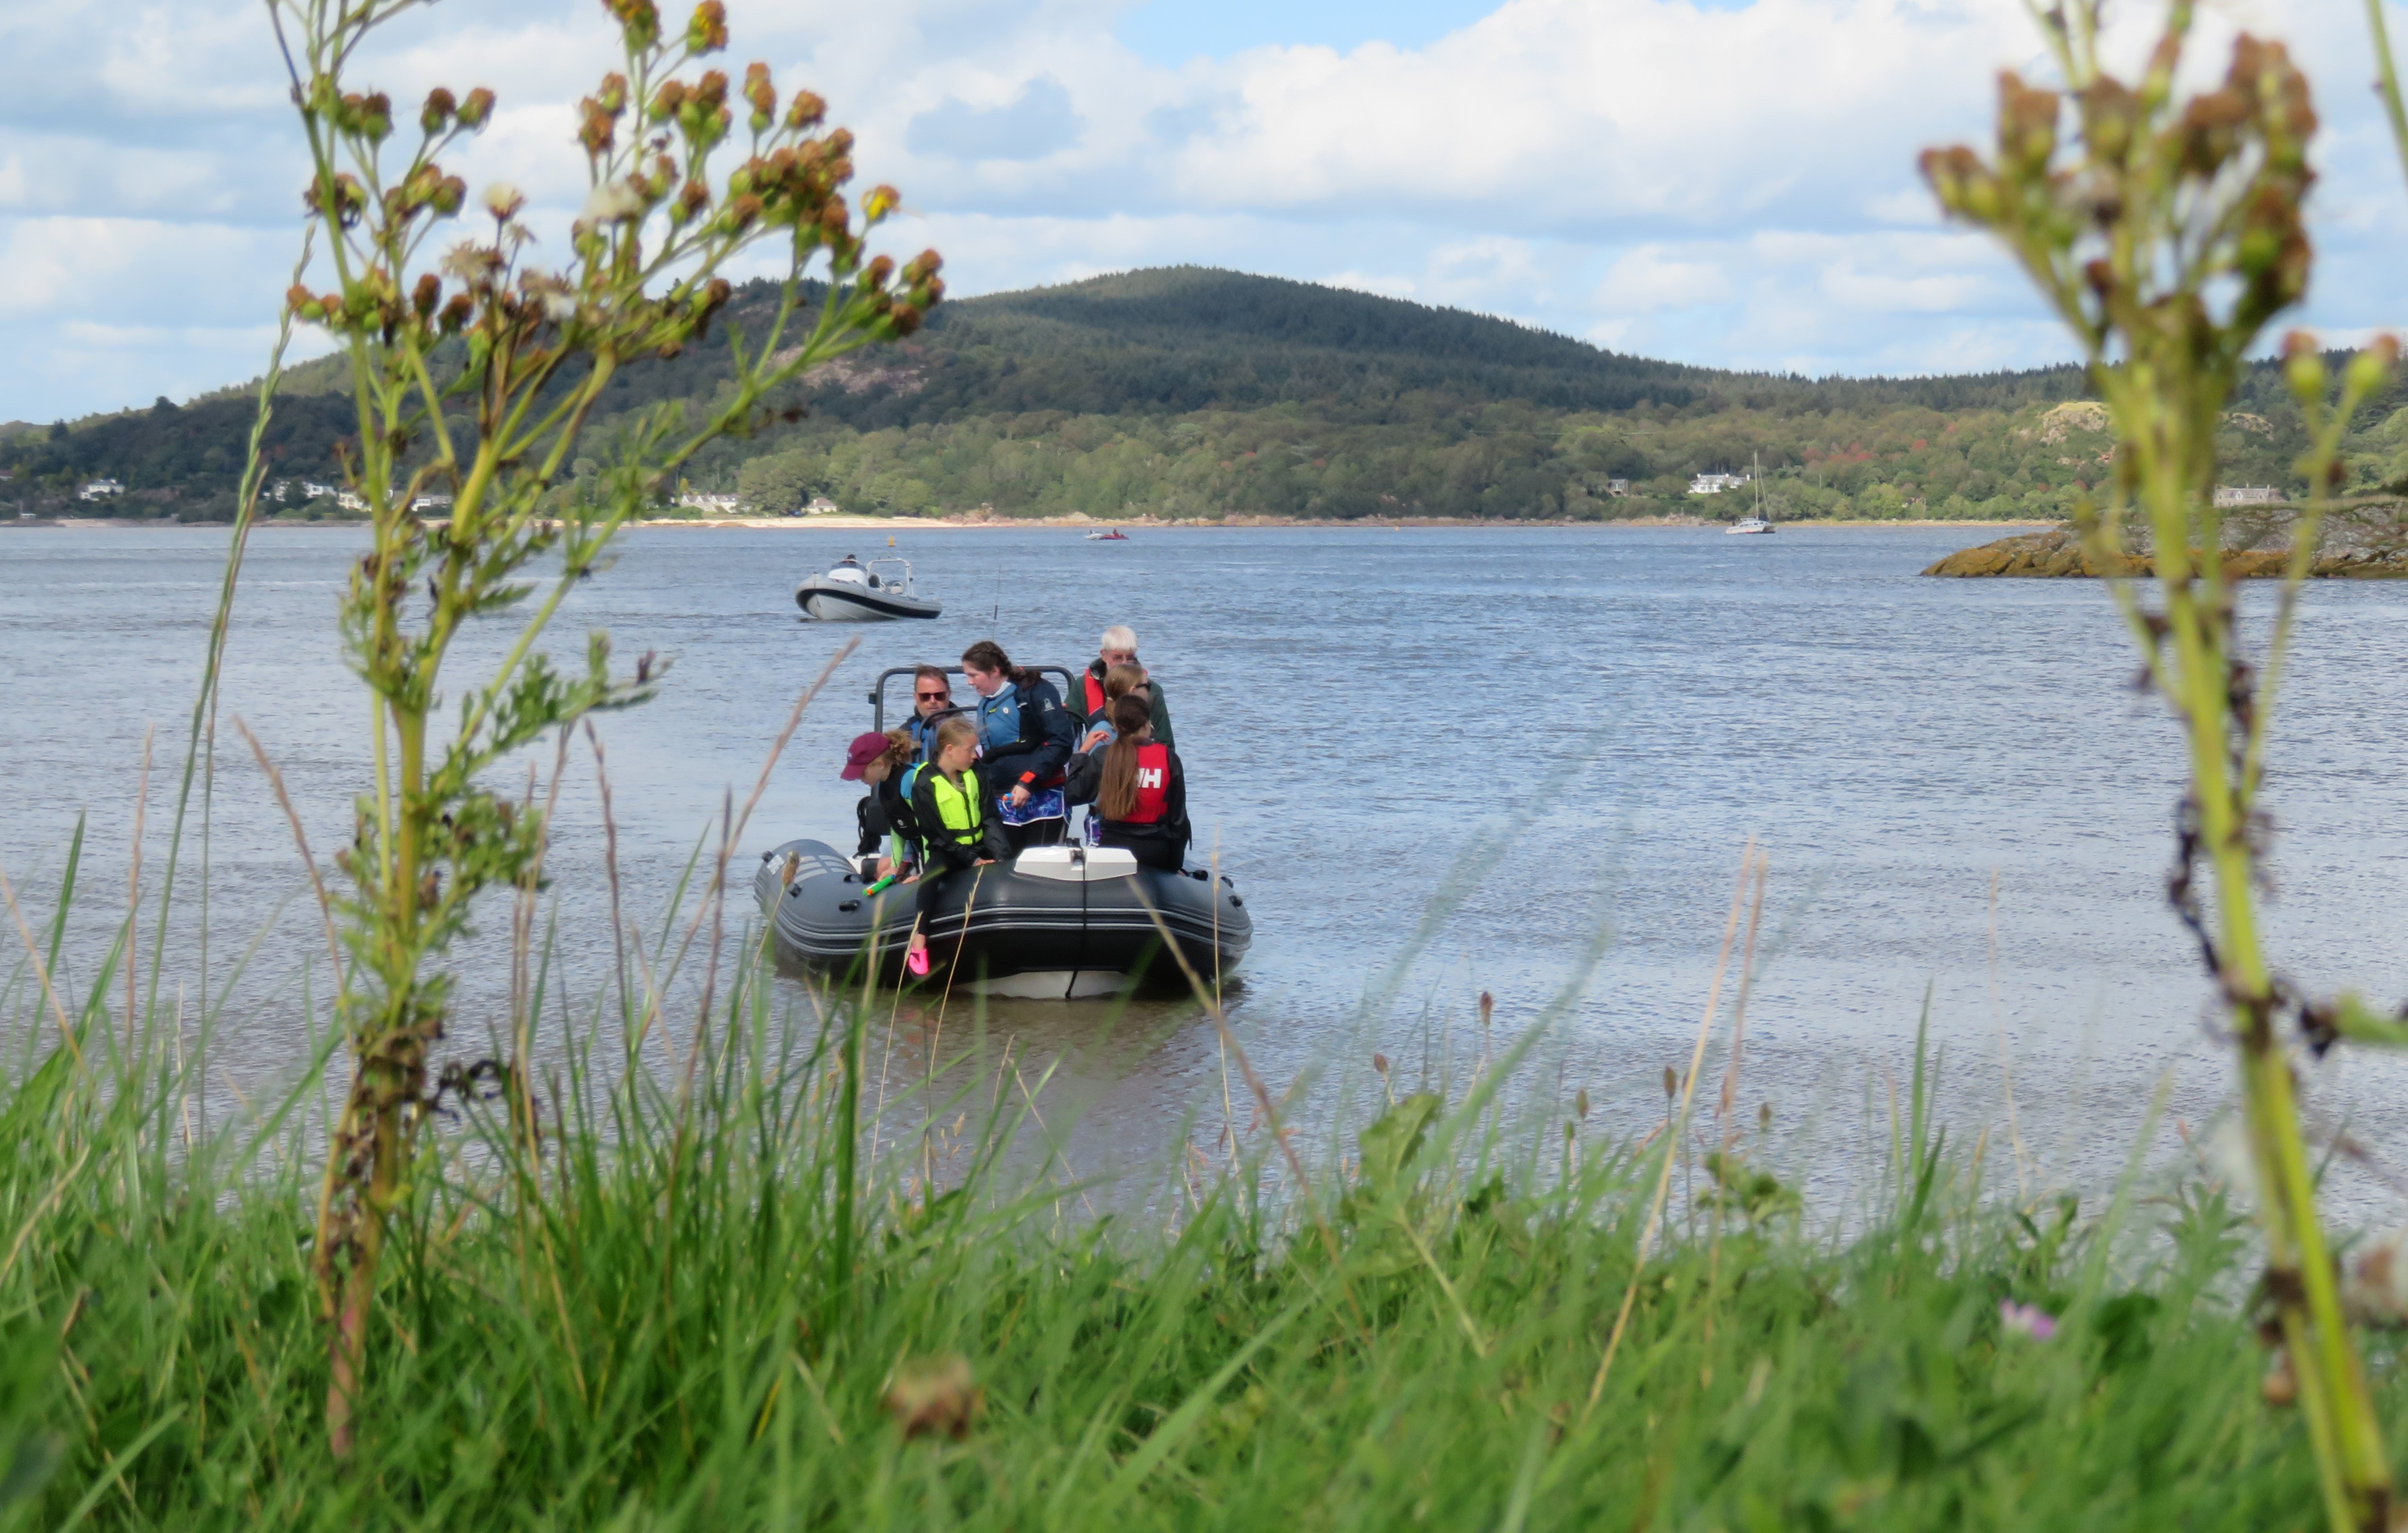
877 693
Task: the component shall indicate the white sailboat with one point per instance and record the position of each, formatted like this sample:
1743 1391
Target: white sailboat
1756 522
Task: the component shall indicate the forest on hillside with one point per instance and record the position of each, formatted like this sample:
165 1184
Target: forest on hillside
1185 393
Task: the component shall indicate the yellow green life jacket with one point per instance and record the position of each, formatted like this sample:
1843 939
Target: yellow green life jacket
958 809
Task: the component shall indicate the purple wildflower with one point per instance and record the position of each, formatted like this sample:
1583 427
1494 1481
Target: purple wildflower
2027 1320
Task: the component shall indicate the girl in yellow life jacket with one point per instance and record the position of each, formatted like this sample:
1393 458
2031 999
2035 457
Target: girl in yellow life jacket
960 826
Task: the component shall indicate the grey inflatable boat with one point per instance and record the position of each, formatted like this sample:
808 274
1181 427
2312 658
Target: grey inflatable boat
1056 922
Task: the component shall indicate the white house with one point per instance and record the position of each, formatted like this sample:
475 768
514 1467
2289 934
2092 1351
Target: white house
2248 495
348 501
715 504
313 490
1714 484
1617 487
100 489
431 503
821 506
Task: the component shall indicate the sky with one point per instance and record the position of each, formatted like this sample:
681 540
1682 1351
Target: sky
1728 183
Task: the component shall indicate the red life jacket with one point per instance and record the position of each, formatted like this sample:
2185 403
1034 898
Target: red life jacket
1152 786
1095 693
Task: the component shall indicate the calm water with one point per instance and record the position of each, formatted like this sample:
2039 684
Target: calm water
1581 727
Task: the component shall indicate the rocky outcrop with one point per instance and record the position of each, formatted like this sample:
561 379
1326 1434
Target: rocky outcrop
2365 543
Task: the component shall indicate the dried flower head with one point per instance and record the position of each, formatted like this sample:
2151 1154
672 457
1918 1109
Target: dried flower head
933 1396
639 22
613 202
504 201
761 95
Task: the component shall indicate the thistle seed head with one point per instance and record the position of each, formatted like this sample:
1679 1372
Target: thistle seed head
639 22
2026 125
761 94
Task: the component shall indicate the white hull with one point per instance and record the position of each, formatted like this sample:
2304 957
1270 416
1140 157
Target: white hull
830 602
851 594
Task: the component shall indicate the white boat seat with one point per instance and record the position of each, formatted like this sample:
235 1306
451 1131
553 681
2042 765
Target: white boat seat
1076 863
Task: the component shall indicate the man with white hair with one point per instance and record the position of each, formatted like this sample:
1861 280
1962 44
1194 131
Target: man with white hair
1118 647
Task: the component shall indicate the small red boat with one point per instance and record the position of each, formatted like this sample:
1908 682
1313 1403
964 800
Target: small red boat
1109 536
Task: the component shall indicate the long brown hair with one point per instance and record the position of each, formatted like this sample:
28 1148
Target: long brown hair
987 655
1116 796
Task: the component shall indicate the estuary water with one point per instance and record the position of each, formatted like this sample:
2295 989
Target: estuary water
1435 762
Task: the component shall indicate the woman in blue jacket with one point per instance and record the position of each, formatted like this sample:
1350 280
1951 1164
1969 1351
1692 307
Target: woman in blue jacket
1026 737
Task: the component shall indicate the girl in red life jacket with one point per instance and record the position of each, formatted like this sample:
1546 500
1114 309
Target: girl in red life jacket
1143 795
1086 769
961 828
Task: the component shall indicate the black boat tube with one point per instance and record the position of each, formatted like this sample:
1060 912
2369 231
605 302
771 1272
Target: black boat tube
1056 921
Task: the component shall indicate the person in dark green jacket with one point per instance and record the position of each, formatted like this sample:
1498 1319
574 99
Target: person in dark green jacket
1118 647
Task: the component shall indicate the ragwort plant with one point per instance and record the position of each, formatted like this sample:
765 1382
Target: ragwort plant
473 372
2166 231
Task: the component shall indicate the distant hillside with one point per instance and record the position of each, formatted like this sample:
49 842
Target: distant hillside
1185 391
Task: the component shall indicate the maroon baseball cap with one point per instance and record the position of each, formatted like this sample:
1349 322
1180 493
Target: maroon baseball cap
864 750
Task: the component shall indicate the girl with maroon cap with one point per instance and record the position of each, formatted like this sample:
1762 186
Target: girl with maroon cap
884 814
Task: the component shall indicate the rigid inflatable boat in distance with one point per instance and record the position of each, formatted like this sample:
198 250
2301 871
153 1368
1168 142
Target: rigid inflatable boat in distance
852 591
1055 922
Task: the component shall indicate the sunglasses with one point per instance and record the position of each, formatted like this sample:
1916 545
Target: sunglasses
934 696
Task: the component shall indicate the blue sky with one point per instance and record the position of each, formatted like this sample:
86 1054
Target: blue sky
1171 31
1723 183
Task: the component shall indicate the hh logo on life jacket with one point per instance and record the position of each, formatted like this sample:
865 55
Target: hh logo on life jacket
1148 777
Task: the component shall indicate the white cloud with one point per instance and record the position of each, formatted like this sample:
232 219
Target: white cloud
1648 277
1730 186
1386 287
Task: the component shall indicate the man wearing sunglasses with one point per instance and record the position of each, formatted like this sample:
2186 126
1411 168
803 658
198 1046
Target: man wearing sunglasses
932 704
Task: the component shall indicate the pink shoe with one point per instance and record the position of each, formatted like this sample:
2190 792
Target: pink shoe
916 963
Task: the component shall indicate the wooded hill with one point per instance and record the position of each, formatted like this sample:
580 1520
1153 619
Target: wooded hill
1189 393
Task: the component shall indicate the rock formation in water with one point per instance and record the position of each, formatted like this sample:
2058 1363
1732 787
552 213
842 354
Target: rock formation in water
2360 541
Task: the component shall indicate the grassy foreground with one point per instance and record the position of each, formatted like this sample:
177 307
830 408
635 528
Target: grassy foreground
657 1319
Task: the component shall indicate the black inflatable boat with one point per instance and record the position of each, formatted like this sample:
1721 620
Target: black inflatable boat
1055 921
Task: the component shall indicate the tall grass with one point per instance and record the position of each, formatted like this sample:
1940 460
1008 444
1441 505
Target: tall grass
673 1298
656 1293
